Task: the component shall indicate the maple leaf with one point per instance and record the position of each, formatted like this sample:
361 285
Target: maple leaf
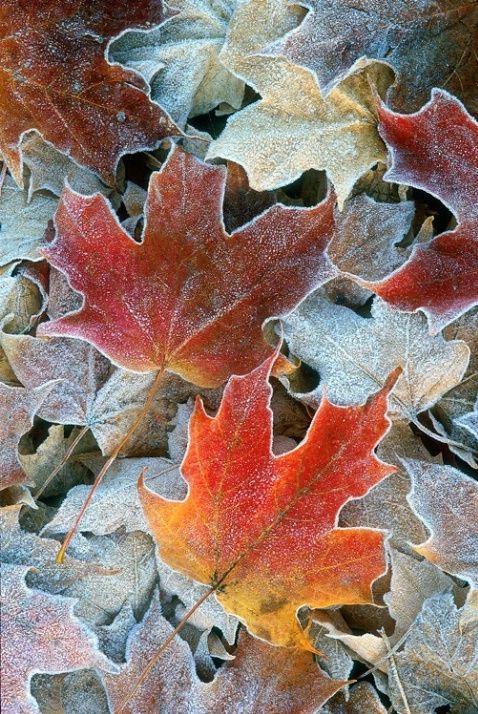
354 355
93 394
428 44
287 681
365 244
447 502
190 298
437 667
386 506
436 150
260 528
116 502
55 78
180 59
39 634
18 409
293 127
23 223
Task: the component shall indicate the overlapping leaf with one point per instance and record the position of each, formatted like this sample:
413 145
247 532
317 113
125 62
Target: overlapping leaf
293 127
190 298
436 150
431 43
55 78
262 528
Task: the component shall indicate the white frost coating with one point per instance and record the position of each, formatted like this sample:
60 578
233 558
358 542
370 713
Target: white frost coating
23 223
354 355
293 128
438 665
447 502
180 59
116 503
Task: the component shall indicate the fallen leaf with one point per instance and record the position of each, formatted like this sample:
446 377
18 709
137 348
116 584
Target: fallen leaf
259 678
56 79
195 296
94 394
18 409
23 222
447 502
436 150
39 634
428 44
412 583
116 503
180 59
385 506
362 697
354 354
293 127
282 549
365 244
437 667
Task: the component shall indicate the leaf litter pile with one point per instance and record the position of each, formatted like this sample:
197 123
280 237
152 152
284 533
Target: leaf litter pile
238 364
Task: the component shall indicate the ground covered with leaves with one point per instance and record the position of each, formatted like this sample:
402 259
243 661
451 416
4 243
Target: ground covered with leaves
238 356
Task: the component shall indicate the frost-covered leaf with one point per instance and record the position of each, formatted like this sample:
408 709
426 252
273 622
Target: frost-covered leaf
293 127
39 634
436 150
180 59
116 502
447 502
361 698
38 465
131 558
23 223
20 547
285 680
263 527
210 614
18 409
365 243
354 355
412 583
438 666
59 82
192 296
385 506
429 43
93 393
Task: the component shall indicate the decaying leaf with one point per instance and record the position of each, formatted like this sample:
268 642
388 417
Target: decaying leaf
438 665
56 79
430 43
354 355
189 297
262 528
293 127
267 678
180 59
39 634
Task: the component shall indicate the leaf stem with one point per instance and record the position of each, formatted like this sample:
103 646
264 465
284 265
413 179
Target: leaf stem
106 466
147 670
62 463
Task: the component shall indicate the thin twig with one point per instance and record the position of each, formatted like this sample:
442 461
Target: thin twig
146 671
106 466
62 463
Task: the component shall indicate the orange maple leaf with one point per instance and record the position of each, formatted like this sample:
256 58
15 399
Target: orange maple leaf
262 529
